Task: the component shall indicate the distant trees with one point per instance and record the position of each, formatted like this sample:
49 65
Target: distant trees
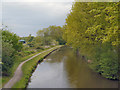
93 28
51 35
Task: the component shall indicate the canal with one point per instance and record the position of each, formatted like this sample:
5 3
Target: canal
65 69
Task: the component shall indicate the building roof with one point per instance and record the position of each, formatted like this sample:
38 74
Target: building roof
21 40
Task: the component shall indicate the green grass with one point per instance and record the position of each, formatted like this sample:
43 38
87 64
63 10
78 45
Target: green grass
5 79
28 68
0 82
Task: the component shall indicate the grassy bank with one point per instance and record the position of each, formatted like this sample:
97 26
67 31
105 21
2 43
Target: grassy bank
29 67
5 79
19 59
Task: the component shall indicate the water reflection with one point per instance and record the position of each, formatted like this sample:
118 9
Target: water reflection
63 69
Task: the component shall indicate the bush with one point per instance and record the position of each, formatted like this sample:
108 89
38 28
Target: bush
25 53
39 47
10 46
106 61
7 58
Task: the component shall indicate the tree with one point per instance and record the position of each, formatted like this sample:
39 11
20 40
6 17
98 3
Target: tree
10 46
12 39
48 35
93 28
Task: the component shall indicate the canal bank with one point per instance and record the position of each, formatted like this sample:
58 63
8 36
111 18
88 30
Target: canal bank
65 69
25 69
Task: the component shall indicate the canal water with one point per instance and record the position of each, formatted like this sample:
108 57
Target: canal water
65 69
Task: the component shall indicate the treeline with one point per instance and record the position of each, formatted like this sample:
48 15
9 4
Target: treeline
53 35
92 28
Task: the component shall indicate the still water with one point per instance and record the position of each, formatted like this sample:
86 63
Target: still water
65 69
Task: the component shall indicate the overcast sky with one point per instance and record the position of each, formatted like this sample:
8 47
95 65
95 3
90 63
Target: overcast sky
25 17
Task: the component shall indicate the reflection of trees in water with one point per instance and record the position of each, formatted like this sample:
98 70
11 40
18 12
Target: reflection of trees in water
78 72
74 68
73 65
59 55
81 76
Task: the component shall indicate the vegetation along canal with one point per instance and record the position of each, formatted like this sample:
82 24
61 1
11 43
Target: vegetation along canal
64 69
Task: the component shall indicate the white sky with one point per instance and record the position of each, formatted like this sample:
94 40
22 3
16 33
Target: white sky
60 0
24 18
37 0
